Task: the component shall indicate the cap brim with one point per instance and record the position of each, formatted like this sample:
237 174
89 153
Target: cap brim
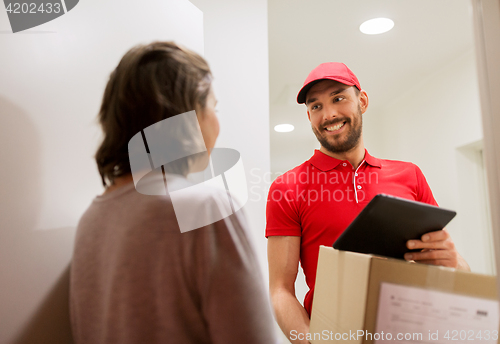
301 96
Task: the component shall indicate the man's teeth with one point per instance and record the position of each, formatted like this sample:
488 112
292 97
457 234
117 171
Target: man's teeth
335 127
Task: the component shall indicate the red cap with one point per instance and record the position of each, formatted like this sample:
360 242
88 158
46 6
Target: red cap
328 71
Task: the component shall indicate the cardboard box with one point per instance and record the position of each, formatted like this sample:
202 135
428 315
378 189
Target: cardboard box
347 293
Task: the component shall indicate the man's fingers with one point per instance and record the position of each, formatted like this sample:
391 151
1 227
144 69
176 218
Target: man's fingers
432 255
435 236
433 245
436 248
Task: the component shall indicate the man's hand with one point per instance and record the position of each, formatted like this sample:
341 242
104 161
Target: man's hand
283 254
437 249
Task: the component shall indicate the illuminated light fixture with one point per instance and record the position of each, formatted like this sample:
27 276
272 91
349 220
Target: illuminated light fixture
376 26
284 128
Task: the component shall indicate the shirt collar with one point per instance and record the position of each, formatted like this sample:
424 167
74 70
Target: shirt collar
325 162
372 161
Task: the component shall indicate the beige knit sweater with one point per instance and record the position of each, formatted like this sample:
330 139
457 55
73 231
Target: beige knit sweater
135 278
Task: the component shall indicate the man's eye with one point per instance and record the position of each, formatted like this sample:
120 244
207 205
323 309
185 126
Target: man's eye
337 99
314 107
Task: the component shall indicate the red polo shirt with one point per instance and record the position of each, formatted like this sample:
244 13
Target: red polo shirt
318 199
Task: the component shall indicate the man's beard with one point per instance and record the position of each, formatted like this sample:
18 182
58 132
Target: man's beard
352 137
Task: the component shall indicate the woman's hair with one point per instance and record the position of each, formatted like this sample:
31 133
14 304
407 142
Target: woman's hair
151 83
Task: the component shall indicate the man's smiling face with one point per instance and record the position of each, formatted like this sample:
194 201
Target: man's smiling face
335 112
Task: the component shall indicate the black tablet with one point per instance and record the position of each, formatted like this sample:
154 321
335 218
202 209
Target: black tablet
385 225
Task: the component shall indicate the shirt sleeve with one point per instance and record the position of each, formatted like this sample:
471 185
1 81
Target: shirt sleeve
234 301
424 193
282 215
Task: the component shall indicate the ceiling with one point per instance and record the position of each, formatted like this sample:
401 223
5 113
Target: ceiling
302 34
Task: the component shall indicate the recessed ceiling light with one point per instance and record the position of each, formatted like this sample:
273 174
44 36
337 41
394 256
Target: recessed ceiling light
376 26
284 128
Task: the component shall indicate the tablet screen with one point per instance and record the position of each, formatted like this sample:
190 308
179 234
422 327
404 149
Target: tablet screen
385 225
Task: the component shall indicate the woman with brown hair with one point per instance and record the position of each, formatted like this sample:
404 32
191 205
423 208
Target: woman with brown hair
135 278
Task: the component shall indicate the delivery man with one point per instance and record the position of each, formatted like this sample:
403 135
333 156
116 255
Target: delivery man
312 204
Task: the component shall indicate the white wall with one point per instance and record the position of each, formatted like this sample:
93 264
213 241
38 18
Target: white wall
487 30
437 125
52 78
236 49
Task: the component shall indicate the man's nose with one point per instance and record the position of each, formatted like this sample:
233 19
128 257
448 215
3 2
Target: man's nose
329 113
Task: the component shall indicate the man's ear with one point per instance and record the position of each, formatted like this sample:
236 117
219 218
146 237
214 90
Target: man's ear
363 100
308 116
